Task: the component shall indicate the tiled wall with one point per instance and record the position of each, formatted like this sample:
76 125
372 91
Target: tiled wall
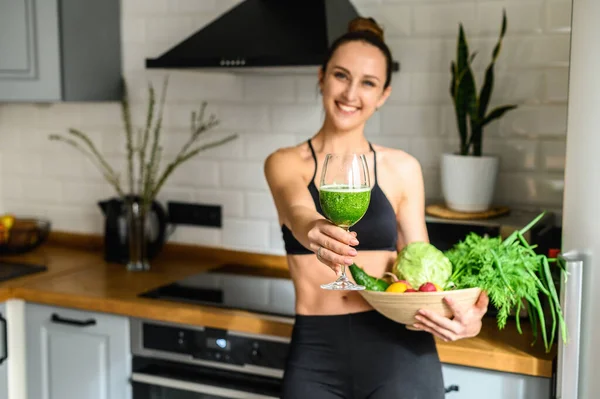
46 178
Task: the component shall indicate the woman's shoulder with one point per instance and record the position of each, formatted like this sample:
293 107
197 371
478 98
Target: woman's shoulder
287 158
402 175
295 153
396 159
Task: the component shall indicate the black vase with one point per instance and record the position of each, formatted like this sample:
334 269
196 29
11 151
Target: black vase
132 236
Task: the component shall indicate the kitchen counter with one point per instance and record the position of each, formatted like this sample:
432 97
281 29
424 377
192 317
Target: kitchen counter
78 277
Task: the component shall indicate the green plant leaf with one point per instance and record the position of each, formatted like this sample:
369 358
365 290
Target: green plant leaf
465 102
497 113
488 86
464 92
472 57
476 139
472 103
461 118
502 33
486 91
452 80
462 51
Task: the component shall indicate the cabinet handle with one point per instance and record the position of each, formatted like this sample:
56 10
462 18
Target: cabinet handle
72 322
5 343
452 388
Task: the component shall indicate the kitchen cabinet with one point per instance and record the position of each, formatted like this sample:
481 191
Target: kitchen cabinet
3 353
473 383
73 354
60 50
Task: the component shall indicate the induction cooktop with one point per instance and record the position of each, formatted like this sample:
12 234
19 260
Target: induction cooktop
10 270
242 287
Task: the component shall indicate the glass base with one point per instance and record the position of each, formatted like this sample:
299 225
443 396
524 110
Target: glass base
343 284
138 266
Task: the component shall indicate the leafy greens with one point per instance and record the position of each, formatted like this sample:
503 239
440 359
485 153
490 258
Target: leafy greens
513 275
421 262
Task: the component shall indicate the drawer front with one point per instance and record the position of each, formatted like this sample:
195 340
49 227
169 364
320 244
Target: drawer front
473 383
73 354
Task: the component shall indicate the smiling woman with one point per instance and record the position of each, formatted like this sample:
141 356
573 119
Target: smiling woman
341 347
353 77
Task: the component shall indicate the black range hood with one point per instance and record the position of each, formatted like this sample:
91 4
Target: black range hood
262 35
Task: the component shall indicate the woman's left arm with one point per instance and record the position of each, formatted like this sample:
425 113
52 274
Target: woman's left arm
466 322
411 209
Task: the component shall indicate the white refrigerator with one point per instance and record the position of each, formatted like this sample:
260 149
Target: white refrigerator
578 362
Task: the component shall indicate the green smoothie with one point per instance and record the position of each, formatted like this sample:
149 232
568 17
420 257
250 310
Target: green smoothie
344 205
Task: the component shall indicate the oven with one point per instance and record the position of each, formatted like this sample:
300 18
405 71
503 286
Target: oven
173 361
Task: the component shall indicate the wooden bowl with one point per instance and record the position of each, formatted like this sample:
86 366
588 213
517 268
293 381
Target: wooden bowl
402 307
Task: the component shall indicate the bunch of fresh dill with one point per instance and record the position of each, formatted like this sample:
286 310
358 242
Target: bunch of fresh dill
513 275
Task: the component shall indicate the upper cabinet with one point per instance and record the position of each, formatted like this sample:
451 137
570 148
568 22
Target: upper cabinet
60 50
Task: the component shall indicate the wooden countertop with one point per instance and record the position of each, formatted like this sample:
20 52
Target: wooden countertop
80 278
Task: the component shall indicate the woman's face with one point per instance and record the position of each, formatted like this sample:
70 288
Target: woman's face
353 85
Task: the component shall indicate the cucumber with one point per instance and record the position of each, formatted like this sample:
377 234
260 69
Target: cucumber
362 278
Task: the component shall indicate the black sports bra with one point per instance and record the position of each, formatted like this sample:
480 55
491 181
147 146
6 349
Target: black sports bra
376 231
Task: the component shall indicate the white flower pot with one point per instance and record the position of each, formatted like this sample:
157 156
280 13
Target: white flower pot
468 182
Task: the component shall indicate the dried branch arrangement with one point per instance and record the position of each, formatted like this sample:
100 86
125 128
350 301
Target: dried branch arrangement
144 150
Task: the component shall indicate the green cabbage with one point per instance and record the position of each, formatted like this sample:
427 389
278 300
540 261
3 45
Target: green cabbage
421 262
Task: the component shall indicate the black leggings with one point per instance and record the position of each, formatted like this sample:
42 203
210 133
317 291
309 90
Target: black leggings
359 356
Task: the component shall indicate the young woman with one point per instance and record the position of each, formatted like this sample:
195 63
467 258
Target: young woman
341 347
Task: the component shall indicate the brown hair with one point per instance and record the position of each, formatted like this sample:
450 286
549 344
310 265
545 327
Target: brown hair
366 30
365 24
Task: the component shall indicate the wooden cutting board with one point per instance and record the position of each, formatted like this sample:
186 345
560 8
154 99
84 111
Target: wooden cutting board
442 211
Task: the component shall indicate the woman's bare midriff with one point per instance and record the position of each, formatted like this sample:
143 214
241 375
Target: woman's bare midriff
308 274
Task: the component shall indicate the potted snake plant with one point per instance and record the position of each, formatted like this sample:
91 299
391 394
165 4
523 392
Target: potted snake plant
469 175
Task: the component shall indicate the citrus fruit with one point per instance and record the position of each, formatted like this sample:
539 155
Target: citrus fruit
397 287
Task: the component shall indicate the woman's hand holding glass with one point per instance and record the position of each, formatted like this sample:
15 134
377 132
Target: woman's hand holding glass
344 196
332 244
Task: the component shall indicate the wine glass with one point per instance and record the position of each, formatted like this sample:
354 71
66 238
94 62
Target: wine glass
344 194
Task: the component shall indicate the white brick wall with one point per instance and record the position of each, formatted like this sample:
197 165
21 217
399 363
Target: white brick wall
48 179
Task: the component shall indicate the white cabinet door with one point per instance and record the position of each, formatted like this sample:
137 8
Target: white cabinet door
60 50
3 353
74 354
29 50
473 383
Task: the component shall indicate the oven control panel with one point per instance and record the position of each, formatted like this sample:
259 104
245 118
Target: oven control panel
216 345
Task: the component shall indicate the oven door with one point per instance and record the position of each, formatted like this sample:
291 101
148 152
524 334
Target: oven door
169 380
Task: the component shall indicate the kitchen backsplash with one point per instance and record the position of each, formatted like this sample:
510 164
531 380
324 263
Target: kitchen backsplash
44 178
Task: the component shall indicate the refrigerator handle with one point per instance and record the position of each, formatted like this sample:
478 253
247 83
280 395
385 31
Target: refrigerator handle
567 367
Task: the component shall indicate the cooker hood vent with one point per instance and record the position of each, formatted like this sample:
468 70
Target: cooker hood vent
263 35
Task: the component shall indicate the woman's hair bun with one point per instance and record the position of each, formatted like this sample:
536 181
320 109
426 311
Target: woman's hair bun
366 24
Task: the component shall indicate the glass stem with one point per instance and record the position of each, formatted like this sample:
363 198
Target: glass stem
342 266
343 272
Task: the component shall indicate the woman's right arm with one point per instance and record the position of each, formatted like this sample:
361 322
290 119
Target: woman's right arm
296 210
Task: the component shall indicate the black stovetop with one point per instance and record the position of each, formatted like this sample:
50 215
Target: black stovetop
10 270
241 287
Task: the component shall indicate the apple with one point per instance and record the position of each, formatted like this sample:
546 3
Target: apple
411 290
427 287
